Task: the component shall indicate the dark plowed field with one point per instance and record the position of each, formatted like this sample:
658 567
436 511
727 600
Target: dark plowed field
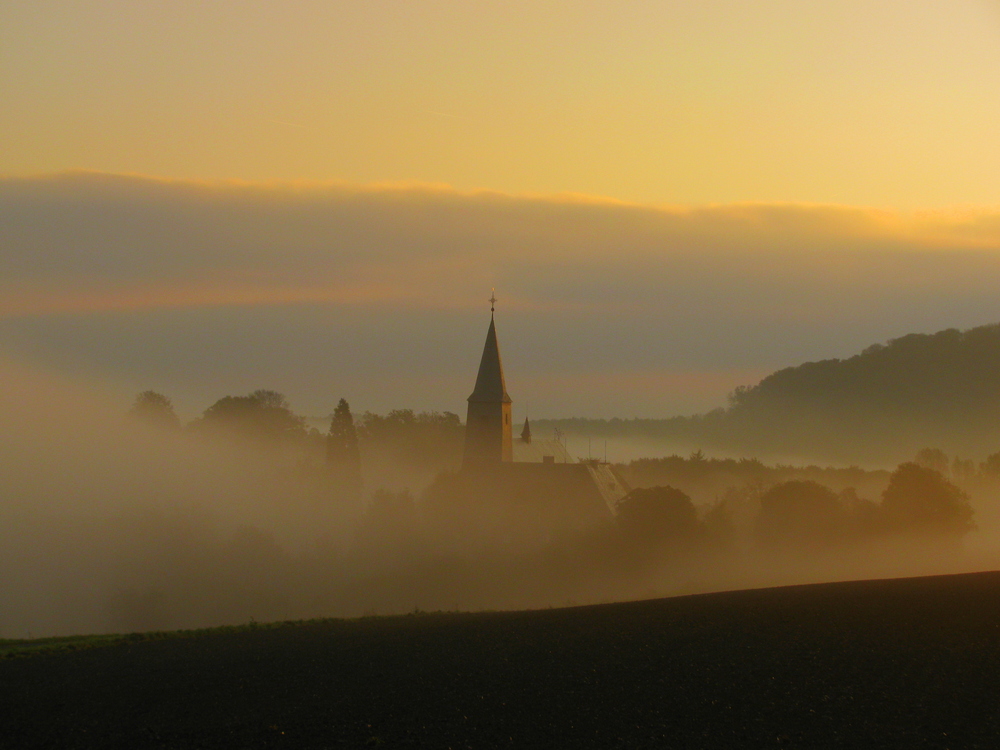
905 664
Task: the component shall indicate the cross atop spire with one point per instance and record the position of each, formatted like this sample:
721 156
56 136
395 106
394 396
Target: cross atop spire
493 301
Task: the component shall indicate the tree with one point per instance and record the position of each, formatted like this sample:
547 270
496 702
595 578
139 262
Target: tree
342 454
932 458
991 465
266 399
658 516
431 439
154 409
800 512
963 470
387 506
263 415
864 516
919 500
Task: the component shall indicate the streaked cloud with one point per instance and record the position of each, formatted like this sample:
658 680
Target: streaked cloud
399 275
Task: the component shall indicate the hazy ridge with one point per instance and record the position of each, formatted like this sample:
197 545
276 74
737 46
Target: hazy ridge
879 406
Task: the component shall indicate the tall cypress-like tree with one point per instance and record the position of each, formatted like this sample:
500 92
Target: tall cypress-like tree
342 454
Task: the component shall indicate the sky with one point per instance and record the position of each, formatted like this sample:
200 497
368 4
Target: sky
887 103
671 198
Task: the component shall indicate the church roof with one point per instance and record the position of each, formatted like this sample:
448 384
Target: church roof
490 385
535 451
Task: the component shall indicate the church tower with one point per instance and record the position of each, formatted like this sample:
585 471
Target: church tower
487 427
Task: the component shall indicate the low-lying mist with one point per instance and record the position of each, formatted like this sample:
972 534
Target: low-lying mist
109 525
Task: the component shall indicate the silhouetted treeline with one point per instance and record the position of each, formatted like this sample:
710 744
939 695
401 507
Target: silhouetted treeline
875 407
427 438
798 517
708 479
401 448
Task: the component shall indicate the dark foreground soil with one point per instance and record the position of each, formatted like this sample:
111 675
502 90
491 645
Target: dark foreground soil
905 664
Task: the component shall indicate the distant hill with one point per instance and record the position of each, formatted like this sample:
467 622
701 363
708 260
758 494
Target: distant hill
879 406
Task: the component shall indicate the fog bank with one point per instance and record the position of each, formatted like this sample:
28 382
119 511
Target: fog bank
109 526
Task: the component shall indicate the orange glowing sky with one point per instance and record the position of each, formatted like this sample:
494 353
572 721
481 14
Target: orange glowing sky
672 198
888 103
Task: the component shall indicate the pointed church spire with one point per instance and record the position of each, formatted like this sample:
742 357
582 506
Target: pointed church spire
526 432
488 427
490 384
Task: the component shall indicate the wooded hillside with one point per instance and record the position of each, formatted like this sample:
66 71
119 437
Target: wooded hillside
881 405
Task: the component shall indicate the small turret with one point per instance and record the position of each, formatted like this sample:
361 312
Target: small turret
526 432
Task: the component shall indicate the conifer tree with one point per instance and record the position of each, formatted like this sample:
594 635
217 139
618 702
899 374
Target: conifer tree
342 454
